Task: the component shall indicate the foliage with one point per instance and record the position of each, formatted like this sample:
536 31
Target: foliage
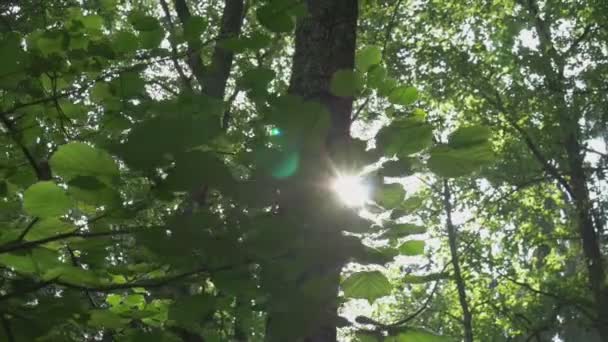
136 206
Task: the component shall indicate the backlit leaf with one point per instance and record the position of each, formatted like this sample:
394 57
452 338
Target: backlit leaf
80 159
403 95
389 195
412 247
367 57
366 285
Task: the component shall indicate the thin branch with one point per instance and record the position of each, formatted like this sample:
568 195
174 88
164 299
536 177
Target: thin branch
460 285
193 58
178 67
25 290
536 152
155 283
422 308
17 140
27 229
360 109
12 247
586 31
391 25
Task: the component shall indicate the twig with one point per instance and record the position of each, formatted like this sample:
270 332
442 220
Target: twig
12 247
27 229
178 67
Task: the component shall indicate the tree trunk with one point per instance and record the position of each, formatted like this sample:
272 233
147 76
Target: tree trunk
325 43
460 285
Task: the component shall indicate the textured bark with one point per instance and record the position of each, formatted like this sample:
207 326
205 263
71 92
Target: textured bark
325 43
467 319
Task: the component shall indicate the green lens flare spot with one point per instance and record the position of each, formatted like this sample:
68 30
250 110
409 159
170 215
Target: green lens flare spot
275 132
287 166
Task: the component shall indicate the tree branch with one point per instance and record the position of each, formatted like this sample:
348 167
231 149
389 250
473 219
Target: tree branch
178 67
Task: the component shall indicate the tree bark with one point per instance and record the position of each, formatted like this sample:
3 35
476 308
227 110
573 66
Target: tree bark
325 43
467 319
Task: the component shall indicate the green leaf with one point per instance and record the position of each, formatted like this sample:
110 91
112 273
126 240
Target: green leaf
194 28
73 110
106 319
48 227
12 56
100 92
3 188
72 275
367 57
51 43
91 191
275 18
469 136
412 247
389 195
404 137
412 203
143 22
125 42
421 279
396 168
416 335
257 79
449 162
192 310
345 83
151 39
404 229
46 199
19 263
366 285
366 337
145 150
129 84
79 159
375 76
193 169
92 22
403 95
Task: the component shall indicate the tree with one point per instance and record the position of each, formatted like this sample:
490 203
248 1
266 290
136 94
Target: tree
288 170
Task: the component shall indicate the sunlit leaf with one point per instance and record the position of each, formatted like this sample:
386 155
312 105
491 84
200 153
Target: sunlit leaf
404 137
416 335
412 247
389 195
366 285
80 159
450 162
367 57
403 95
403 229
46 199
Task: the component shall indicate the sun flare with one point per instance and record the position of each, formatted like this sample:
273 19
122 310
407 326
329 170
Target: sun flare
352 190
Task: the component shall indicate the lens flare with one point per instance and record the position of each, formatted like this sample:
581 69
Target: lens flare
351 190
